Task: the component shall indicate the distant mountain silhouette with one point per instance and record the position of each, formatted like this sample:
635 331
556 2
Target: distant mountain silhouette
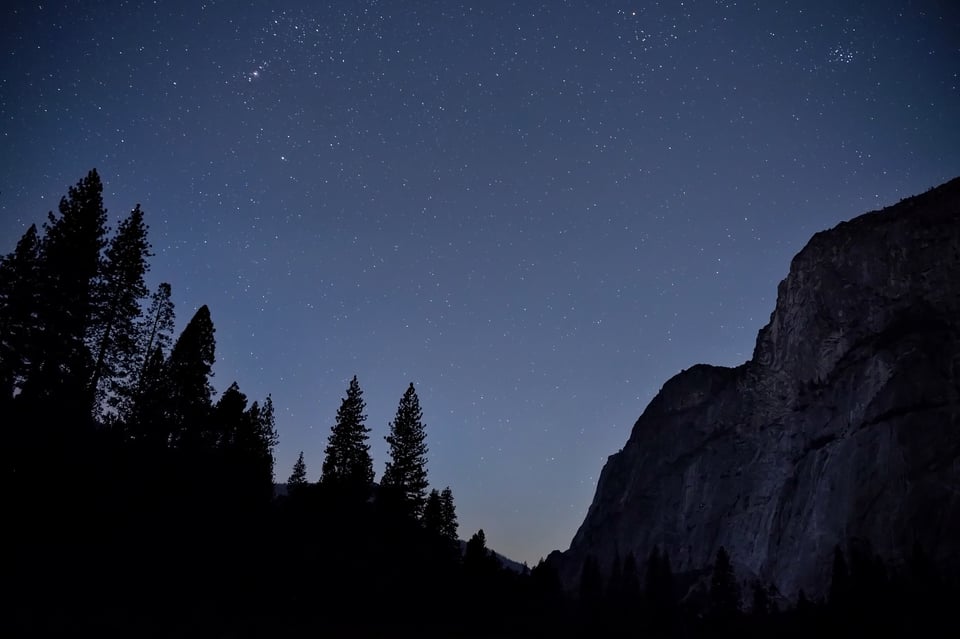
505 561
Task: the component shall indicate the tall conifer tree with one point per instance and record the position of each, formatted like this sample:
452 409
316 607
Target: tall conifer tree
146 416
227 417
154 334
448 516
70 260
244 439
440 515
263 440
298 477
188 372
476 555
347 461
119 291
156 326
18 332
432 513
406 470
19 272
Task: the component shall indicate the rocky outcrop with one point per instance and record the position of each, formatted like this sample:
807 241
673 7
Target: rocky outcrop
844 425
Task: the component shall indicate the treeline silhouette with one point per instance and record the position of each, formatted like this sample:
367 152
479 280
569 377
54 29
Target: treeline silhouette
865 598
135 504
138 502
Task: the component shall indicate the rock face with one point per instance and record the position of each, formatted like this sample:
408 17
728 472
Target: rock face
844 425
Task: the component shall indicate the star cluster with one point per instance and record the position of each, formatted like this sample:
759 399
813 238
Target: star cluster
536 212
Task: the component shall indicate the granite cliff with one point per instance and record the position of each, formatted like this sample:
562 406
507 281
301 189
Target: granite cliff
843 426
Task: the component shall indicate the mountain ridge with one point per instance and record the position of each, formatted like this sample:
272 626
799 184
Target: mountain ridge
844 425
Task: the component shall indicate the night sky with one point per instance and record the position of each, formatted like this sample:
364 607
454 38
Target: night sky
536 212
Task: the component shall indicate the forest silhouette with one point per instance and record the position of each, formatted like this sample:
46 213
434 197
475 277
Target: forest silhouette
137 504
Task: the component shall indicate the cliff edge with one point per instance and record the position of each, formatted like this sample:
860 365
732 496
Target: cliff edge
843 426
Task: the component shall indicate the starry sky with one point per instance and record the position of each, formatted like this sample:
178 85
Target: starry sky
537 212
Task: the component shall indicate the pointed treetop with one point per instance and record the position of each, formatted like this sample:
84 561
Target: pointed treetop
298 478
18 305
448 515
406 470
188 370
347 460
118 292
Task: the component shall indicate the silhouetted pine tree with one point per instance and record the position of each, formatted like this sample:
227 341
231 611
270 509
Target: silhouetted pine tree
70 260
245 439
226 471
298 477
478 560
440 522
259 445
432 515
19 272
448 516
724 590
188 371
156 325
476 548
154 336
406 470
480 571
145 415
19 299
226 418
347 462
118 293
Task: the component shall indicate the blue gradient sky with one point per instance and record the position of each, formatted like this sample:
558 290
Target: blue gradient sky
535 211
